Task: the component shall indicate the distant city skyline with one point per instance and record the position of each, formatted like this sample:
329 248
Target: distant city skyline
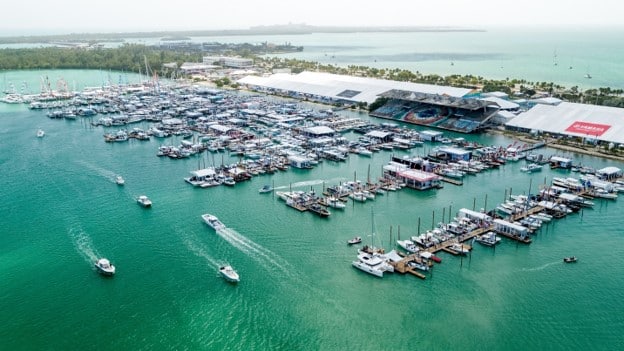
29 17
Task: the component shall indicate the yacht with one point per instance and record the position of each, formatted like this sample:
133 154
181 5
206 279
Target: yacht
531 167
40 133
119 180
488 239
371 264
144 201
105 267
213 221
229 274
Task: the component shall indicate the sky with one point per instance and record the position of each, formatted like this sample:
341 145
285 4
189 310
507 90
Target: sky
26 17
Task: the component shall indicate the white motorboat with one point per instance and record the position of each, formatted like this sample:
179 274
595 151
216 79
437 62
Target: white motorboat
420 265
213 221
459 248
355 240
229 274
119 180
358 196
40 133
105 267
265 189
531 167
335 202
488 239
408 245
144 201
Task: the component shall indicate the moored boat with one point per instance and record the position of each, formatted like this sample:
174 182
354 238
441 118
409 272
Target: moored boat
40 133
488 239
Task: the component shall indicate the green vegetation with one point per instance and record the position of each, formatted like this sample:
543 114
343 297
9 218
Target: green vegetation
132 57
517 87
128 57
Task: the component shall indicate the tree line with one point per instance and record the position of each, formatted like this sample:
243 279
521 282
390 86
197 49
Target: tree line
128 57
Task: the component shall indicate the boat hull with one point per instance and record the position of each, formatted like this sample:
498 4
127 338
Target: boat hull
368 269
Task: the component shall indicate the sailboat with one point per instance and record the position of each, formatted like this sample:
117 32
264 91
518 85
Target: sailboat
370 259
555 63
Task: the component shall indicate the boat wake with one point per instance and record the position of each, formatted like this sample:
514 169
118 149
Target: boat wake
84 246
200 250
104 173
308 183
540 268
267 258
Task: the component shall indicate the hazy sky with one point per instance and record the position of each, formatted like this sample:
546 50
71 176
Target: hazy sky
63 16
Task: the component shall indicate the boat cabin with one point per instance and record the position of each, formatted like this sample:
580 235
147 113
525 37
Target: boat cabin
560 162
419 180
480 218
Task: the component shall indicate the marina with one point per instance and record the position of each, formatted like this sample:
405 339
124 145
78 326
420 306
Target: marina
276 248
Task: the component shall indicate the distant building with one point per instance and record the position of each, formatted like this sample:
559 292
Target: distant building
228 61
196 68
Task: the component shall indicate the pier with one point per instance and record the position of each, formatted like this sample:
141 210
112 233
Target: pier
403 267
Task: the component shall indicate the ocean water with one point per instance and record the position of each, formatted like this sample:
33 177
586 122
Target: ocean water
563 55
560 55
298 290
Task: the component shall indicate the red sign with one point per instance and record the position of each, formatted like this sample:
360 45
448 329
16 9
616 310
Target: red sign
588 128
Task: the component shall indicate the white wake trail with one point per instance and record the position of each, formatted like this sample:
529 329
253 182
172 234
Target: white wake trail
540 268
83 244
262 255
104 173
200 250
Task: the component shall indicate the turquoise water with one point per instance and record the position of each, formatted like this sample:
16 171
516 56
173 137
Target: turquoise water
496 53
61 208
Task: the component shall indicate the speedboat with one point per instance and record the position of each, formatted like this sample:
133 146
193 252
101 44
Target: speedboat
355 240
119 180
570 259
213 221
105 267
265 189
229 274
40 133
144 201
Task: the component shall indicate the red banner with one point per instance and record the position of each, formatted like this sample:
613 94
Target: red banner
588 128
